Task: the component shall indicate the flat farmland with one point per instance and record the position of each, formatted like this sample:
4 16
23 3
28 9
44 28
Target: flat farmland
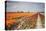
13 18
11 15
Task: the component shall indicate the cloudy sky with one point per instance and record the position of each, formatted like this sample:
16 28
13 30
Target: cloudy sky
13 6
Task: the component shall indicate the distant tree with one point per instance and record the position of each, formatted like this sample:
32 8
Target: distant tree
17 11
22 12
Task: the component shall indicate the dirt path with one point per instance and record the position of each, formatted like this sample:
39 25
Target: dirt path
38 24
